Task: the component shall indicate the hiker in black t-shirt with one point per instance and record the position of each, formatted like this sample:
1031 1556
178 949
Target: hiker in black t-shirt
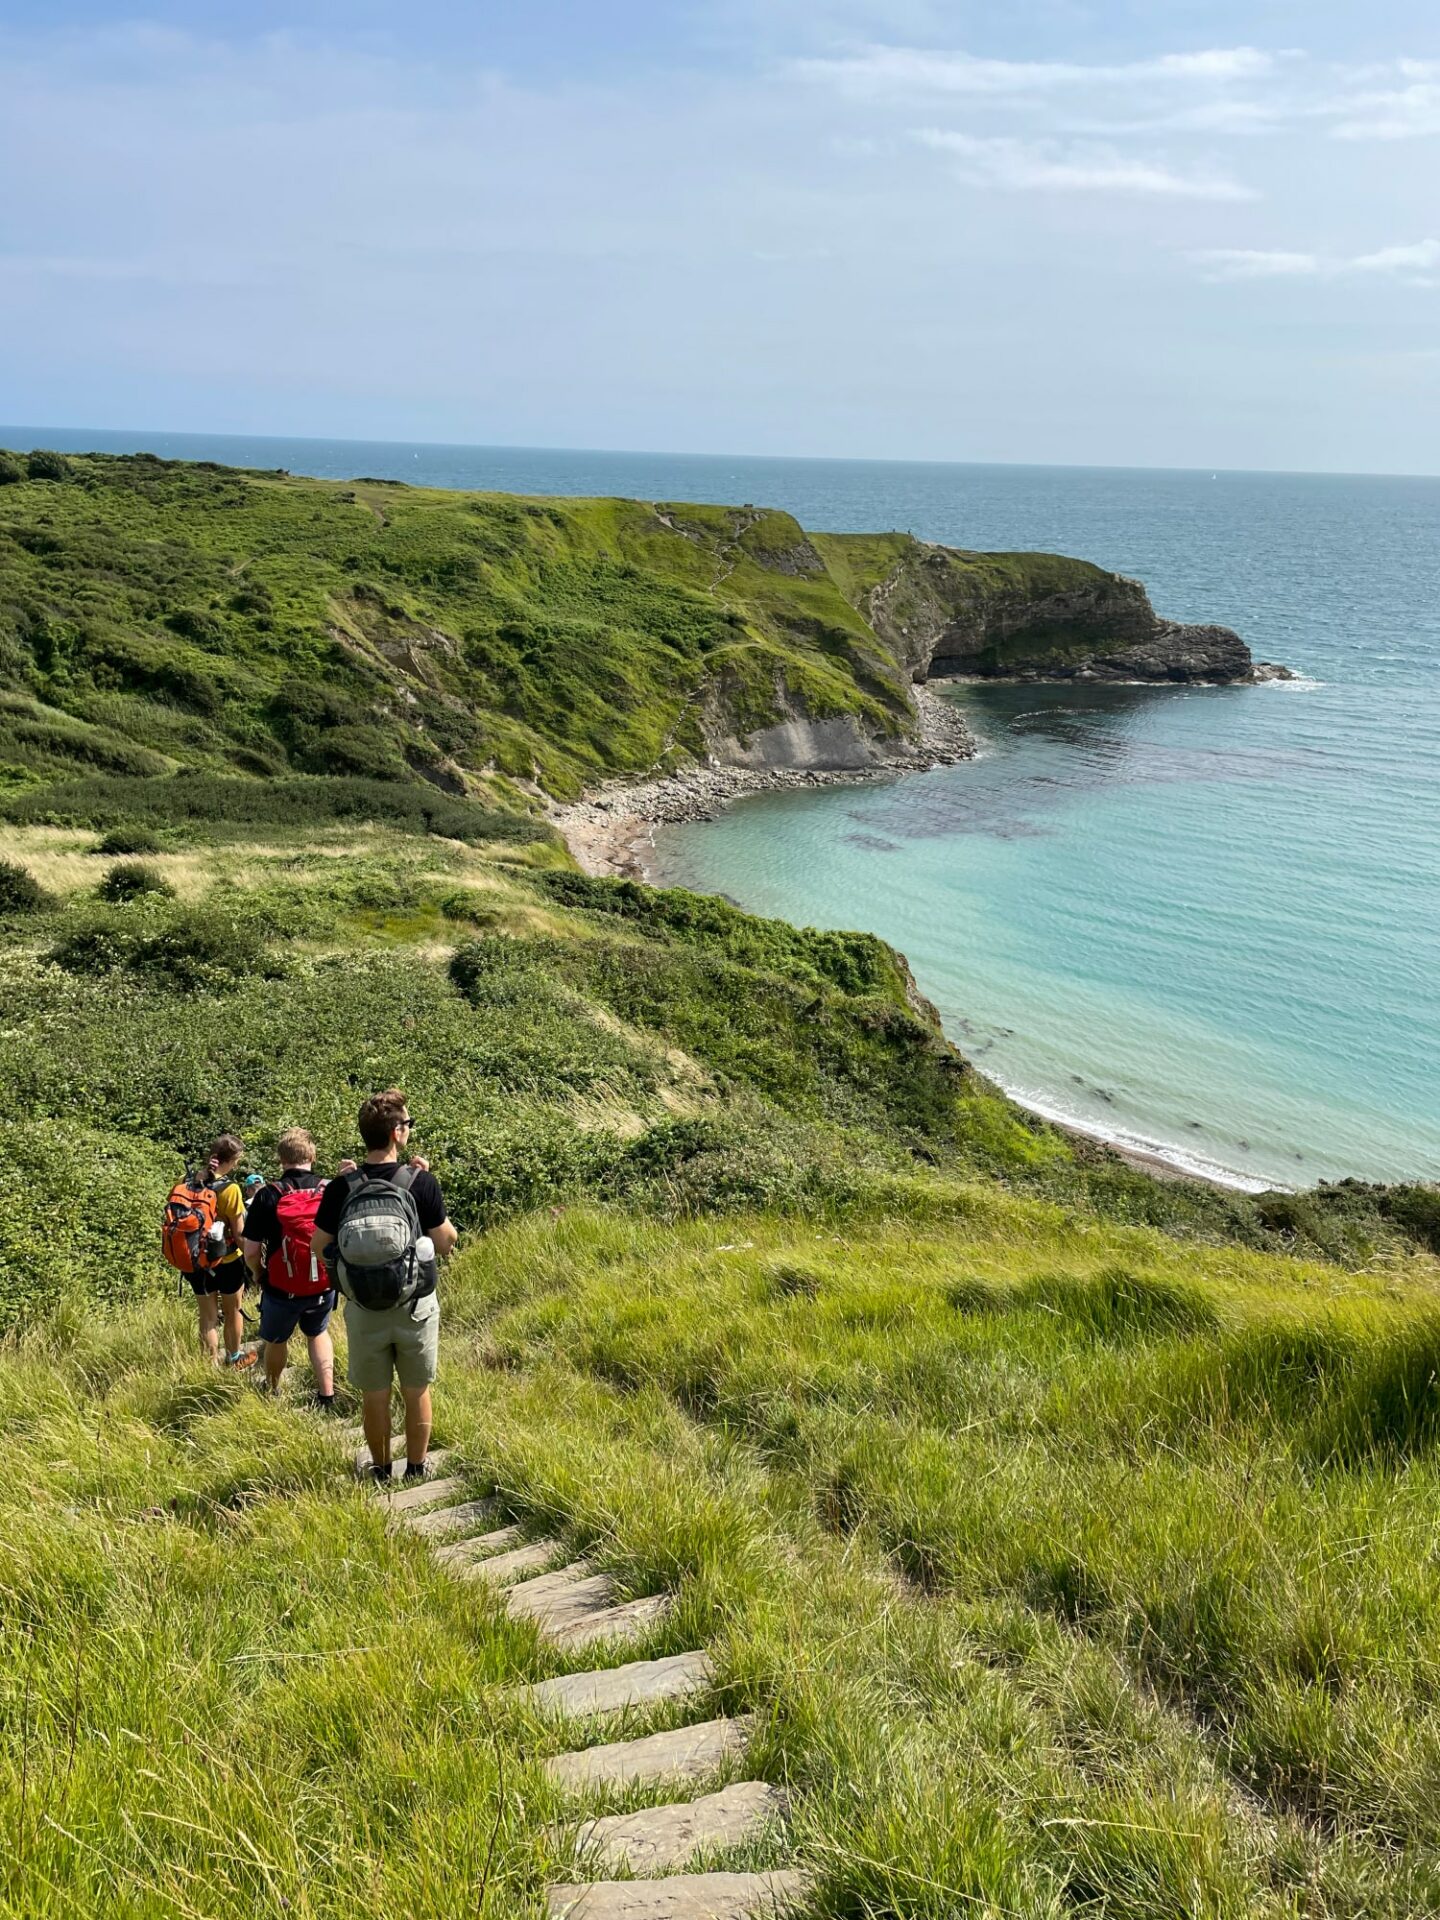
381 1229
295 1289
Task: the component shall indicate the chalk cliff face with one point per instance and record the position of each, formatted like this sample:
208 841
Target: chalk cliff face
1041 617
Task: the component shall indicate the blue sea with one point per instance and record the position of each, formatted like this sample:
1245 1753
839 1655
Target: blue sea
1202 921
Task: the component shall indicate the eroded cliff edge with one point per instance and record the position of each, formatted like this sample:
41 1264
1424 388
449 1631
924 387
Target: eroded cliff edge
1028 616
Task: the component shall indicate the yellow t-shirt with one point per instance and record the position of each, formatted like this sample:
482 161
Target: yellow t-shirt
230 1207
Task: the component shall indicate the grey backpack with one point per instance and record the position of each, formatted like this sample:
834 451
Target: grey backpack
376 1262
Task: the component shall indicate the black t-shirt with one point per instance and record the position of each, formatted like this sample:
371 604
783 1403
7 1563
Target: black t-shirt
424 1191
260 1221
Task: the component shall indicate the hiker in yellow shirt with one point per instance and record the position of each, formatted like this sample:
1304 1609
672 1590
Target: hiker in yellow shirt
218 1289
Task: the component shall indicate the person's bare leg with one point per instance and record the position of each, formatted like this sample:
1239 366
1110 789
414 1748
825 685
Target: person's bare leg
208 1307
276 1352
375 1417
417 1425
234 1325
322 1362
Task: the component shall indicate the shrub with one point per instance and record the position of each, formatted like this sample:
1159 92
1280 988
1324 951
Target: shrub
123 839
131 878
193 623
45 464
20 891
179 800
11 470
77 1215
202 951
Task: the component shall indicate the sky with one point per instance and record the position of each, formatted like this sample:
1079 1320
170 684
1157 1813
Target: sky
1134 232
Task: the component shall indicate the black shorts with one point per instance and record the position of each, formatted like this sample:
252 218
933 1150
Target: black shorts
228 1277
281 1313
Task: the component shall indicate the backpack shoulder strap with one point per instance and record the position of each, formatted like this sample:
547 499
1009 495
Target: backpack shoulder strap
405 1178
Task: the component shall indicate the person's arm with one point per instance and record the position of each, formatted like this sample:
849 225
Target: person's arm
433 1218
320 1242
254 1255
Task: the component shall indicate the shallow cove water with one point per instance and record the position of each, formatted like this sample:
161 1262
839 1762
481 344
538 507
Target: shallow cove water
1207 920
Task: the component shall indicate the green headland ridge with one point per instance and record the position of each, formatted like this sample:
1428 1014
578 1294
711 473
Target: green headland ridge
1058 1538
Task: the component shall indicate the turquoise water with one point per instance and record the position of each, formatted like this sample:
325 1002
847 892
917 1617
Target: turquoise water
1204 920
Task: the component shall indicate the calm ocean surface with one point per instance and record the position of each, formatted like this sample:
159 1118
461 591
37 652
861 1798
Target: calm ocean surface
1207 921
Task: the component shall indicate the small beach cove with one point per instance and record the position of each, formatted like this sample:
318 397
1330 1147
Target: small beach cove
1106 934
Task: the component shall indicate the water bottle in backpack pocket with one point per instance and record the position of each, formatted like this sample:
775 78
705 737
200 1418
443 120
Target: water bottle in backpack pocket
378 1259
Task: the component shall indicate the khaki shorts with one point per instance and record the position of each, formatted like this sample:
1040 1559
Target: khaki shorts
401 1342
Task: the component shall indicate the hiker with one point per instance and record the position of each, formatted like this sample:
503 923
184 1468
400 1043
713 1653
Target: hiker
201 1236
295 1288
382 1229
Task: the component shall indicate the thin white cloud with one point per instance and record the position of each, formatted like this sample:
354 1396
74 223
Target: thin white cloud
1417 262
876 70
1253 263
1408 111
1050 166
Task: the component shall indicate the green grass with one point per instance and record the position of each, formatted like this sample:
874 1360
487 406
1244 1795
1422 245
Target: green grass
155 614
1032 1617
1068 1534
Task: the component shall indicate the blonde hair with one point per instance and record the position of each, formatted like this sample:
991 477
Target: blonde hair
295 1147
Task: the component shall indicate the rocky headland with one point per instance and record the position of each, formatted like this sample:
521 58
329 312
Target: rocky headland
939 613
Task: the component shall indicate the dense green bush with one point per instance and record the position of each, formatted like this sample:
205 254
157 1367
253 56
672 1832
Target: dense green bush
20 891
129 879
198 950
131 839
11 470
45 464
79 1215
854 962
206 799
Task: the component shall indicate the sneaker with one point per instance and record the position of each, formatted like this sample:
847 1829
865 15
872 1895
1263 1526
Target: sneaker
416 1472
240 1361
325 1403
382 1475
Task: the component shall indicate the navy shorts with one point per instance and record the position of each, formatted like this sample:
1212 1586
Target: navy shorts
281 1313
229 1277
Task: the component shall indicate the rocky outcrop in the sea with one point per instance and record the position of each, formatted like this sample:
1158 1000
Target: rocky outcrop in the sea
1034 616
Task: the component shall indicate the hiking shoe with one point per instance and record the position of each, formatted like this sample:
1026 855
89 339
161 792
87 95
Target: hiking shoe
417 1472
381 1475
240 1361
325 1403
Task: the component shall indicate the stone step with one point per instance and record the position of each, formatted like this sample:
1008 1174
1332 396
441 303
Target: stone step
625 1621
686 1753
458 1554
664 1839
611 1689
510 1566
422 1493
686 1896
445 1523
568 1593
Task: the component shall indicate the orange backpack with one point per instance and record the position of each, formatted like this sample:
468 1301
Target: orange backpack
185 1230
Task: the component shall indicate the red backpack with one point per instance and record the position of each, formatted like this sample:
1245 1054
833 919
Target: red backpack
292 1267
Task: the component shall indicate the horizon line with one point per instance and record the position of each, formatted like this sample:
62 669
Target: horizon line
674 453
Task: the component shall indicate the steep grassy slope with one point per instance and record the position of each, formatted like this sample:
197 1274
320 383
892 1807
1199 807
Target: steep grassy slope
1064 1569
155 614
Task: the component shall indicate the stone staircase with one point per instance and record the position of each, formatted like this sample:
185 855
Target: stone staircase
649 1851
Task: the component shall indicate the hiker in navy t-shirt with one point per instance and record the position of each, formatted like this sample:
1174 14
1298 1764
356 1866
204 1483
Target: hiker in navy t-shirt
295 1289
386 1196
